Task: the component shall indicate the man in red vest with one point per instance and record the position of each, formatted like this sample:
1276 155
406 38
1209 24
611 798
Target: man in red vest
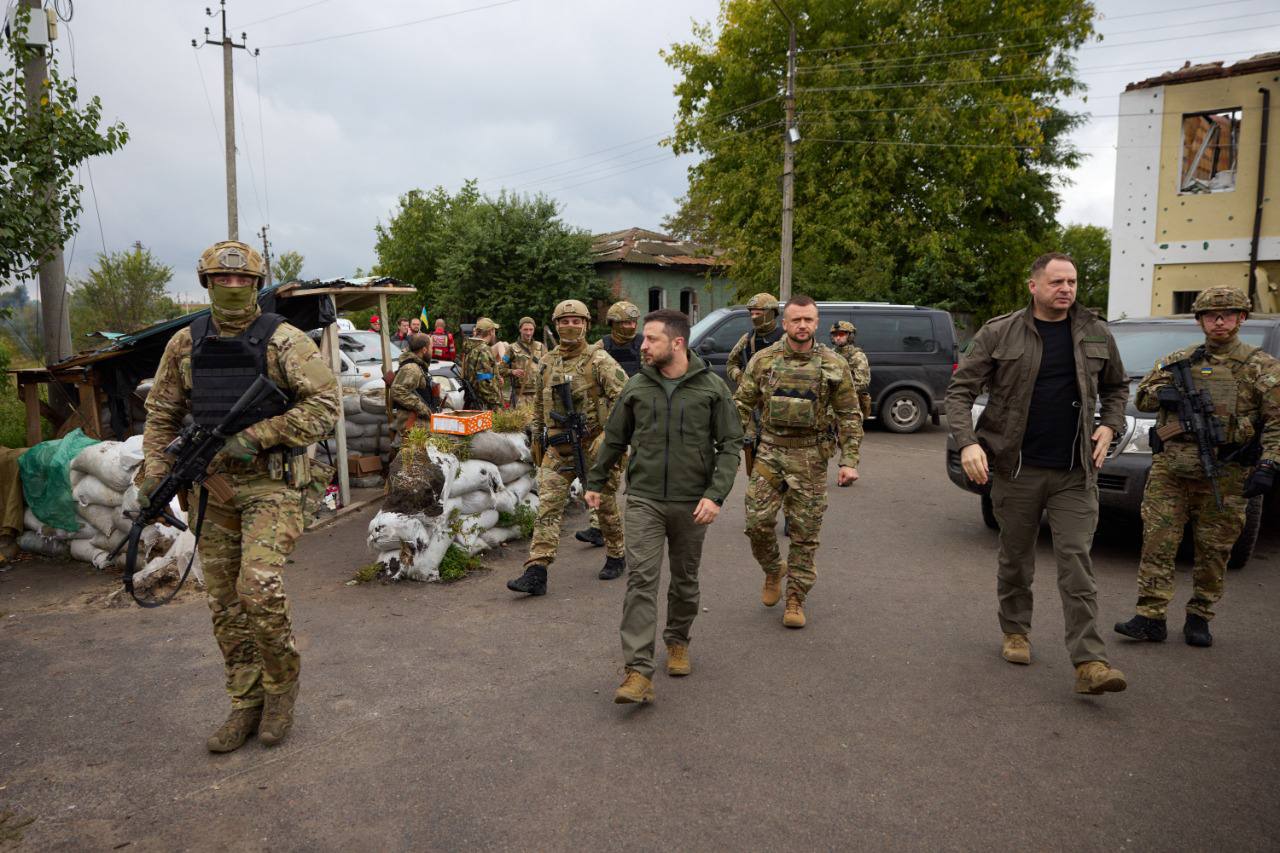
442 348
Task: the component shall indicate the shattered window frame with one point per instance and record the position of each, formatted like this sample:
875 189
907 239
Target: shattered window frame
1209 151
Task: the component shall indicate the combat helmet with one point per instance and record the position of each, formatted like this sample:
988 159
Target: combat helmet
763 302
1221 299
844 326
622 312
528 320
231 257
571 308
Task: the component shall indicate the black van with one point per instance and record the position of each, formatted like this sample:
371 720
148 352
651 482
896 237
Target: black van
912 351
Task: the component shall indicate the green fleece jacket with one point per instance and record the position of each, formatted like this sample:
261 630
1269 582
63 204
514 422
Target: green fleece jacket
683 448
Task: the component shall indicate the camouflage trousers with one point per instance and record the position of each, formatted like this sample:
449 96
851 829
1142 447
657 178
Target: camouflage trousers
793 479
555 476
1167 504
243 548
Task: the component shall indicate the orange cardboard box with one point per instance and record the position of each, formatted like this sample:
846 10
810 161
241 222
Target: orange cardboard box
461 423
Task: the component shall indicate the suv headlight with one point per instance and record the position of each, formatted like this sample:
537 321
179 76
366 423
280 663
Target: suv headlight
1140 441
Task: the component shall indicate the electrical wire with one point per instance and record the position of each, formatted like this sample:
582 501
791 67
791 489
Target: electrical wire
300 9
393 26
248 158
262 137
208 101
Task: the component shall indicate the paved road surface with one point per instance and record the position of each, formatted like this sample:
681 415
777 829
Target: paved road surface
461 717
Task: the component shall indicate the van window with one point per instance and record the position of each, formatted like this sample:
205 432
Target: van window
728 332
896 333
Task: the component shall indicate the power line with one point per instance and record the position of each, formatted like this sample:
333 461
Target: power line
253 178
301 9
262 134
393 26
208 102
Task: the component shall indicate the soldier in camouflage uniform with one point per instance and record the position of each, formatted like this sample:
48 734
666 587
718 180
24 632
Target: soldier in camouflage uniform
524 354
800 390
480 368
596 380
246 539
410 390
1244 383
764 332
843 334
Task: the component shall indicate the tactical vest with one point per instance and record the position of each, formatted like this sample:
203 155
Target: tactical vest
793 394
627 355
1220 381
757 342
585 391
222 369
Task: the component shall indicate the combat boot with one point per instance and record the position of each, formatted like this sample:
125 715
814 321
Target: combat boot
635 688
773 587
1143 628
678 659
277 716
793 616
1095 677
1196 631
613 568
232 734
533 581
1016 648
8 546
591 535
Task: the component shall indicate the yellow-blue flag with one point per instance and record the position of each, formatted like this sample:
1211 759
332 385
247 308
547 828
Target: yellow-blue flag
423 317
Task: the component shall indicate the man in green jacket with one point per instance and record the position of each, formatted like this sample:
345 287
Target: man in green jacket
679 418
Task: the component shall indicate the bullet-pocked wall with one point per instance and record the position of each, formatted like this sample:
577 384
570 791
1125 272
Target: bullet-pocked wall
1187 171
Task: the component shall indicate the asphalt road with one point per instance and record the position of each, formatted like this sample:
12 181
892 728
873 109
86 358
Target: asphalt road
463 717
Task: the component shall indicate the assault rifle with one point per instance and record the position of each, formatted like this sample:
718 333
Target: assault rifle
191 452
1196 418
575 429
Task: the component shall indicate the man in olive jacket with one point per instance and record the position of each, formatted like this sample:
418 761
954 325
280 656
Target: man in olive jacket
679 419
1048 368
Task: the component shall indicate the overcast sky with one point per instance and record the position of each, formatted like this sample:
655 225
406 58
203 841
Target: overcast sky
332 132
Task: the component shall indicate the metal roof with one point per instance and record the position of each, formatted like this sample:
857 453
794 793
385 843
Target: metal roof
639 246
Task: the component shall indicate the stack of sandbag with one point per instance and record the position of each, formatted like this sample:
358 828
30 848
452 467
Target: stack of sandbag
100 476
435 501
368 430
47 541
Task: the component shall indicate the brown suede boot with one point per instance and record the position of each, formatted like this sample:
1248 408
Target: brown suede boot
635 688
277 716
232 734
1095 677
678 659
793 616
1016 648
773 586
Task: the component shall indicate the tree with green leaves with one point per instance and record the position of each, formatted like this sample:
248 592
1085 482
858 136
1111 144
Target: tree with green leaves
1090 247
930 143
40 148
287 267
471 255
124 292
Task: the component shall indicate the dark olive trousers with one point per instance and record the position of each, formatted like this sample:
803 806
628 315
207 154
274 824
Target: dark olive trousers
1072 508
649 526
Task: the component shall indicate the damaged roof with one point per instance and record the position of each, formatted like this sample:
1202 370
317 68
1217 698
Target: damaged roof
1189 73
640 246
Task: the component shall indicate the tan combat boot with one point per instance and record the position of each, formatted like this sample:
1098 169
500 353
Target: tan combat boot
773 586
232 734
793 616
1016 648
1095 676
277 716
678 659
635 688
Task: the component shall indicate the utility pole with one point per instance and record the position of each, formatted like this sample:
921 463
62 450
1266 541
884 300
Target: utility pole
790 135
228 111
54 317
266 252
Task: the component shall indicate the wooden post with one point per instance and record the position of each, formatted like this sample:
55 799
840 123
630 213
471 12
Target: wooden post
335 360
89 409
386 337
31 400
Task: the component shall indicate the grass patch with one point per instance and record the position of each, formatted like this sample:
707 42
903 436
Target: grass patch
524 517
512 420
367 574
457 564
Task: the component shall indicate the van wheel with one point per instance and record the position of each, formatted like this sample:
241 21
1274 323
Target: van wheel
903 411
1243 549
989 513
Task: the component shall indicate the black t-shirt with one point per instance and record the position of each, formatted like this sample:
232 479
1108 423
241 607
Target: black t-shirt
1050 440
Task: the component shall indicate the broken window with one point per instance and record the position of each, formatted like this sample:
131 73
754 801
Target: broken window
1183 300
1209 143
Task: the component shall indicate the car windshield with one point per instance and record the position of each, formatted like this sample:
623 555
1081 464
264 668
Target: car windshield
365 346
700 328
1141 346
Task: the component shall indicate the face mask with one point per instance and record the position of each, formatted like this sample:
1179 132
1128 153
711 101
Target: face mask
763 323
622 335
572 334
232 298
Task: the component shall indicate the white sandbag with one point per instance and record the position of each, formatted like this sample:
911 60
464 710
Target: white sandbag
30 522
495 536
112 462
475 502
75 477
46 546
531 501
373 481
91 490
475 474
514 470
469 528
363 444
384 444
372 386
129 500
172 563
131 454
499 447
350 405
384 428
374 403
359 430
504 500
107 542
86 552
409 546
363 417
102 518
522 487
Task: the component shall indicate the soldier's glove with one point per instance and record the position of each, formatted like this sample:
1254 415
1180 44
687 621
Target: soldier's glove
145 488
1169 398
1262 479
242 448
